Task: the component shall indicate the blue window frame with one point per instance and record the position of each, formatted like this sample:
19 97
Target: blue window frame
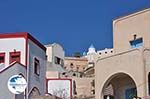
130 93
136 43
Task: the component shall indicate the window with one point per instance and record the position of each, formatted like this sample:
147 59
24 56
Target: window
71 65
74 74
65 67
62 62
59 61
78 68
63 73
2 58
36 66
74 88
14 56
136 43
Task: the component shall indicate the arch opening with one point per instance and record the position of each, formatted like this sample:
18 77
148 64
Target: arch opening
119 86
34 92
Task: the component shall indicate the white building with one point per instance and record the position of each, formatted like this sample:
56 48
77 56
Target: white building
92 55
105 52
30 53
55 60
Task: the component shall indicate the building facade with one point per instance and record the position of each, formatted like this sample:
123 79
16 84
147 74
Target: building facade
55 54
5 74
29 53
75 66
125 73
55 60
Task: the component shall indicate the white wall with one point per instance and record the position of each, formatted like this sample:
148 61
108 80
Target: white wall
104 53
54 50
9 44
58 51
49 53
61 87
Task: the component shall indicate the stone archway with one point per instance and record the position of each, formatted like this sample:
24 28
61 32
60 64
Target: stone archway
119 86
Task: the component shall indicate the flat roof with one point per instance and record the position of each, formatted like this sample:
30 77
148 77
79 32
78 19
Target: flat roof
25 35
130 15
76 58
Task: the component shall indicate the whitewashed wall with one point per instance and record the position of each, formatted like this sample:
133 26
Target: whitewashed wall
54 50
9 44
49 53
58 51
60 88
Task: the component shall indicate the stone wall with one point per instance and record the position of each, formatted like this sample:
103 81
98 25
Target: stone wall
83 87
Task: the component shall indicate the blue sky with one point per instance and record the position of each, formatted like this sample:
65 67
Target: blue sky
75 24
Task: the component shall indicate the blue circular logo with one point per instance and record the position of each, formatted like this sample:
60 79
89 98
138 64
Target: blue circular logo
17 84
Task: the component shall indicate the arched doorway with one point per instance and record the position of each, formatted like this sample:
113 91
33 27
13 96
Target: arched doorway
34 92
119 86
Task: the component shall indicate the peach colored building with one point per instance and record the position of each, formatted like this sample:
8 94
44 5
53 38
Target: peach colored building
126 73
75 65
82 86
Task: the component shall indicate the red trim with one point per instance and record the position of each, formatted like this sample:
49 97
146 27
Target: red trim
24 35
47 79
13 35
2 55
26 48
26 61
15 54
37 42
